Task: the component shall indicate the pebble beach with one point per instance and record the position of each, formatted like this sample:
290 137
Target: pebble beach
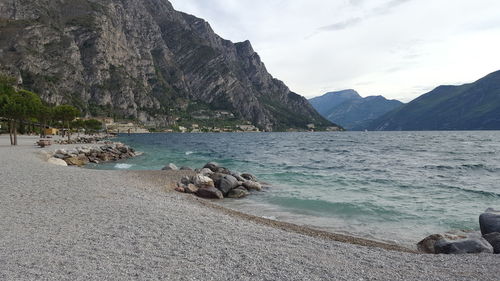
70 223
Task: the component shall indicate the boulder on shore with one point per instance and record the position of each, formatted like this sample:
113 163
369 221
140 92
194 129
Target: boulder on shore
226 183
238 192
191 188
202 181
57 161
427 244
489 221
170 167
464 246
252 185
249 177
210 193
494 240
212 166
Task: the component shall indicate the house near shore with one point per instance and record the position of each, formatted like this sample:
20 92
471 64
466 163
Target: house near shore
51 131
248 128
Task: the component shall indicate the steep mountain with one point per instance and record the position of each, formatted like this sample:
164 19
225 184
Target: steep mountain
141 60
474 106
352 111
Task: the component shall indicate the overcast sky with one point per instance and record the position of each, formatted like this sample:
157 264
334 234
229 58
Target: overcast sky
396 48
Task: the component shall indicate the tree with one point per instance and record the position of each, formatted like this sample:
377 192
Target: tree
44 116
66 114
78 124
93 126
19 107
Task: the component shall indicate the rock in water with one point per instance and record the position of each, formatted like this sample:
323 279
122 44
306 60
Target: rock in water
237 193
57 161
210 193
465 246
249 177
489 221
427 245
170 167
252 185
226 183
212 166
494 240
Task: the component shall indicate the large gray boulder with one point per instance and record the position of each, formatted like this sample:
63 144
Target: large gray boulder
252 185
489 221
226 183
474 245
209 193
494 240
427 244
238 192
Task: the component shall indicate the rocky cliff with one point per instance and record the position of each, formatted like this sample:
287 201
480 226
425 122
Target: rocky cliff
141 60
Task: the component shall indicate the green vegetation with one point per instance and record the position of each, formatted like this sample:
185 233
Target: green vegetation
21 108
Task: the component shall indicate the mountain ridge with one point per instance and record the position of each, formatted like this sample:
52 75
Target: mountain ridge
142 60
471 106
351 110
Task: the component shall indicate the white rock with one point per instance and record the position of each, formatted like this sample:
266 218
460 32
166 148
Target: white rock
206 171
61 151
45 155
57 161
202 181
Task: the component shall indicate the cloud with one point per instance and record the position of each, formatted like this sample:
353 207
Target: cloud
383 9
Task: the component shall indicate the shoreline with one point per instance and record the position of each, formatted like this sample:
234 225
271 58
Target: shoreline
64 223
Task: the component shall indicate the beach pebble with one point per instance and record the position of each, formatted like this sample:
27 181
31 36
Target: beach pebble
57 161
170 167
489 221
494 240
210 193
464 246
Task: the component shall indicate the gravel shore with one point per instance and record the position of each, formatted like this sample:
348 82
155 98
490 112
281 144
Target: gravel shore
67 223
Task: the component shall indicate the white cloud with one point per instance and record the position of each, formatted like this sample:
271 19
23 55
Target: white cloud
397 48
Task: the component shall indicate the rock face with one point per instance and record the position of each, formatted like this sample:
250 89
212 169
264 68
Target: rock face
465 246
494 240
139 59
489 221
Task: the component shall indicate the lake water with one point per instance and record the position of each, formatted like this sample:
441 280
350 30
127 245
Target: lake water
391 186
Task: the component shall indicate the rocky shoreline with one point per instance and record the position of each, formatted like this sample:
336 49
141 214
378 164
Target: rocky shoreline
216 182
487 241
102 151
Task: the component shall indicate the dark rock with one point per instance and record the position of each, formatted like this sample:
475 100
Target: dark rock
238 176
216 176
212 166
223 170
170 167
494 240
427 244
185 180
489 221
238 192
249 177
464 246
226 183
185 168
252 185
210 193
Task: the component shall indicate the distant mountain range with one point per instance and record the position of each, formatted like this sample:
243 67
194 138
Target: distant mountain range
351 110
474 106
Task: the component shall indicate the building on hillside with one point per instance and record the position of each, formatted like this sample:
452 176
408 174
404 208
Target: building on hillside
248 128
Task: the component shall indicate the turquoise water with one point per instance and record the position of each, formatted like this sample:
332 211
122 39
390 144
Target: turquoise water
391 186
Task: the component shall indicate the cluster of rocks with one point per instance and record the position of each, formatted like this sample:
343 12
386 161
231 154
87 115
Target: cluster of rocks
85 140
81 156
487 241
216 182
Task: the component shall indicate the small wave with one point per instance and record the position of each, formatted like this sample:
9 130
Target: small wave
473 167
123 166
189 152
480 192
